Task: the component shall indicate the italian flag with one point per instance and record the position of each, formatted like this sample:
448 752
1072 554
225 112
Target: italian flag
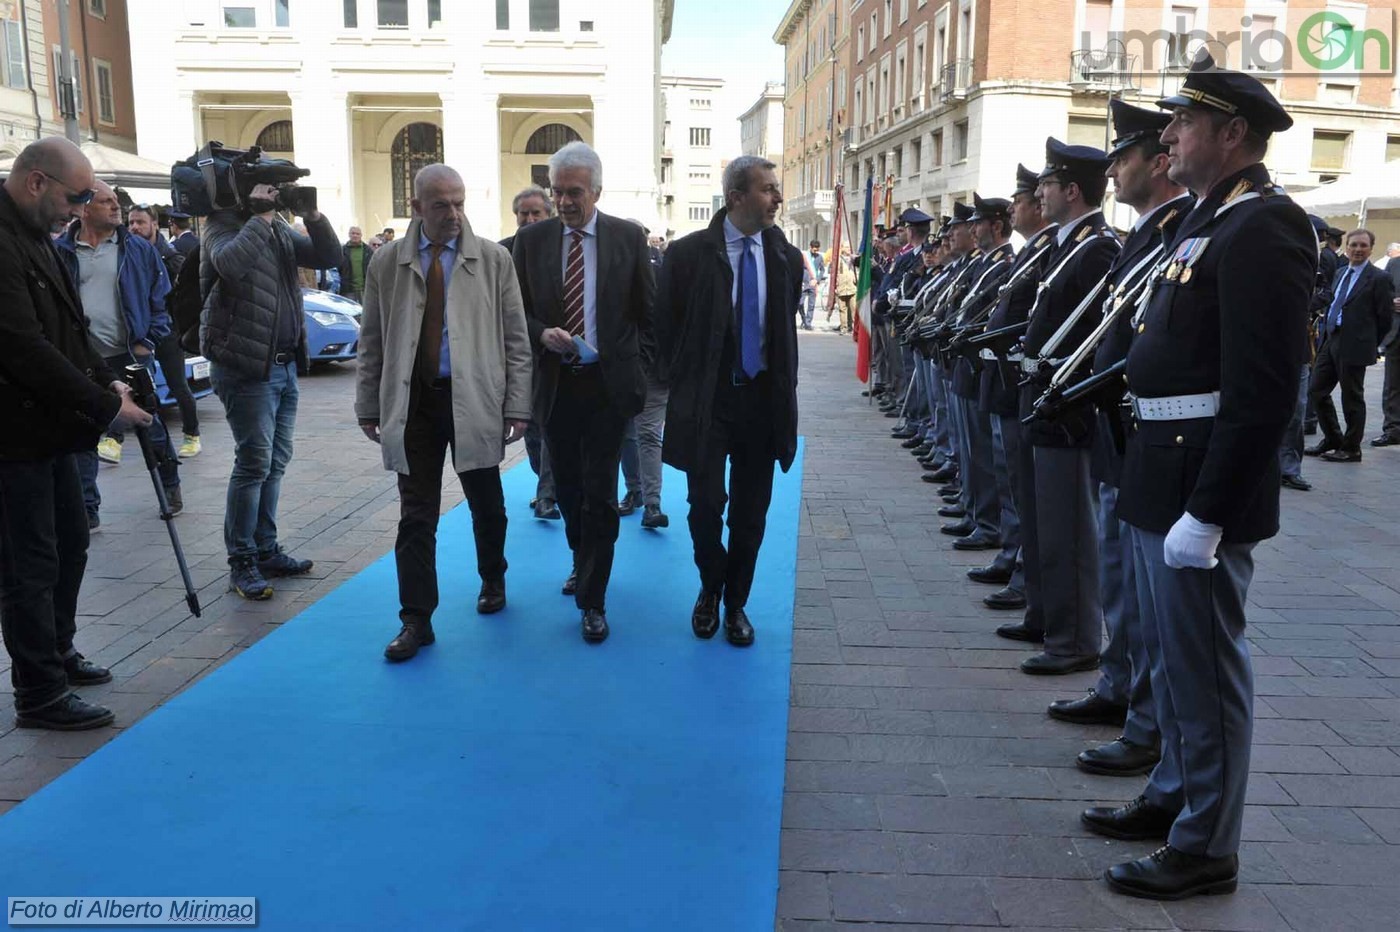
863 287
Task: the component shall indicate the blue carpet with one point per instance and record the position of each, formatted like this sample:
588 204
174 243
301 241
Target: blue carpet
510 777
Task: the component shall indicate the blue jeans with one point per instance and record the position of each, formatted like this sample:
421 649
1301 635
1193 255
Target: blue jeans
261 416
1290 452
160 439
809 304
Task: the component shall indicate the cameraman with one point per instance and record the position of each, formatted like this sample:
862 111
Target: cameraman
253 332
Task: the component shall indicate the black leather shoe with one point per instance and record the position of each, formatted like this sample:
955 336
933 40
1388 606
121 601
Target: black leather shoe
991 574
629 504
737 630
1089 709
1119 758
1007 599
492 598
932 463
595 626
910 440
546 509
976 542
951 493
1050 665
922 451
1139 820
571 584
1298 483
1019 632
952 511
942 476
957 529
704 619
409 639
67 714
1386 440
1342 456
903 433
1319 449
1169 874
83 672
653 517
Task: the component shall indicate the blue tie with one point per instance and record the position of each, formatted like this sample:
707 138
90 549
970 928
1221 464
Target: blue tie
1334 314
750 326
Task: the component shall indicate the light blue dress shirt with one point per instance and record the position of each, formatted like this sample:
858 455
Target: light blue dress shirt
447 260
734 246
590 274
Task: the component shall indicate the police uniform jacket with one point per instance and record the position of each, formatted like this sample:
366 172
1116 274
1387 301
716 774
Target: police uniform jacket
984 280
904 262
1231 317
1107 462
997 391
957 289
1086 255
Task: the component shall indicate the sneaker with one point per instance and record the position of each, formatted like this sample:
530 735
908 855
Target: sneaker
245 579
190 447
653 517
68 714
94 524
109 451
174 499
281 563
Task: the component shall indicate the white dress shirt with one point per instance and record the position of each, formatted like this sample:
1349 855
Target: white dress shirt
1068 229
734 246
590 275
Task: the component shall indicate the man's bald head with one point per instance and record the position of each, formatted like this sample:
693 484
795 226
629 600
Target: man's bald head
436 176
439 199
49 182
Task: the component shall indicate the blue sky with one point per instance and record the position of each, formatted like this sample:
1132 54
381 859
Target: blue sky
729 39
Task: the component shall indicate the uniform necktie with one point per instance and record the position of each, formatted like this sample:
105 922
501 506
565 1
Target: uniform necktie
573 286
750 326
430 342
1334 315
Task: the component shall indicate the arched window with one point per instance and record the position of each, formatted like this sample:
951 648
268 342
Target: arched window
416 146
276 137
549 139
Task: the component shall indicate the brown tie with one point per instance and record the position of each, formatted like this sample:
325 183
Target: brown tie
573 286
430 342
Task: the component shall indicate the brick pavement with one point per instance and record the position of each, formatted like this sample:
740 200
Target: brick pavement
926 787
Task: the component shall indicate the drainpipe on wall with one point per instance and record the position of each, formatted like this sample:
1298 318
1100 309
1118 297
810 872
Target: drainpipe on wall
29 70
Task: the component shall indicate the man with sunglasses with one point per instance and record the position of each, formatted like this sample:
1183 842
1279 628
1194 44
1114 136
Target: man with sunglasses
56 397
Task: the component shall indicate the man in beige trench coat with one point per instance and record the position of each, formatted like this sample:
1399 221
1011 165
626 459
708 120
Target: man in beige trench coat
445 361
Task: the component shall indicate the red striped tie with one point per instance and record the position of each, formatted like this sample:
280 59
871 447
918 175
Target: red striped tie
573 286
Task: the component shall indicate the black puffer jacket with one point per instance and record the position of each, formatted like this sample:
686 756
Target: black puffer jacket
248 272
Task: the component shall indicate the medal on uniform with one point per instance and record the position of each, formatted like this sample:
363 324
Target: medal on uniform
1185 275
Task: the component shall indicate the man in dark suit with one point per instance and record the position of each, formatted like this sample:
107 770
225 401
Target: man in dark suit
1213 369
587 285
726 318
1390 346
57 396
1357 321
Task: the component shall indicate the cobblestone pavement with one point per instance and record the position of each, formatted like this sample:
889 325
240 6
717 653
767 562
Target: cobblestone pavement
926 788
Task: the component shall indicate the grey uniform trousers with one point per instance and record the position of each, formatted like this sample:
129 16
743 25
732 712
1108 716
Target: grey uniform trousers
1123 667
1006 460
1065 507
979 483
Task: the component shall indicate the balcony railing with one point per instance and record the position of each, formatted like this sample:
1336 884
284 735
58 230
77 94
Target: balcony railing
811 205
955 79
1107 69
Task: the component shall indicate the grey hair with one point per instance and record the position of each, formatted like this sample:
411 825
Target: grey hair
533 190
578 155
736 173
437 172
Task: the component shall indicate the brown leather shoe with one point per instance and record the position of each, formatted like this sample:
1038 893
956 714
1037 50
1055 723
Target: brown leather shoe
411 636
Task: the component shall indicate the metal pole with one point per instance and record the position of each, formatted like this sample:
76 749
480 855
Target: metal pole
67 100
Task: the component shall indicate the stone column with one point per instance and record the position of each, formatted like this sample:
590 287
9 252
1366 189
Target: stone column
471 143
321 125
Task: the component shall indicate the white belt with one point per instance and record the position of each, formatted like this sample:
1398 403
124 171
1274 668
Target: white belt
1177 407
1030 365
987 355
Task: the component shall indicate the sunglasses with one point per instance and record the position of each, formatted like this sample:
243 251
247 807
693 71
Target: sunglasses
77 198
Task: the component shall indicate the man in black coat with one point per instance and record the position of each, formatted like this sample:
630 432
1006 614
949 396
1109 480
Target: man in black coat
57 397
587 285
1213 369
726 319
1356 323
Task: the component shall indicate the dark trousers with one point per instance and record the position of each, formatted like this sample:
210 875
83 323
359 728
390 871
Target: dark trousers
584 435
1329 372
172 363
741 432
1390 394
160 441
43 553
427 437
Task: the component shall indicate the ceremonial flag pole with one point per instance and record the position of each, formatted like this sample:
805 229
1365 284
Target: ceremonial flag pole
863 296
837 230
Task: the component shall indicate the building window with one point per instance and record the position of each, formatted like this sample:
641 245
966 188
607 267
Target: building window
667 171
14 55
699 173
585 25
904 11
1182 27
916 155
700 137
889 17
282 14
1086 131
393 14
935 152
699 103
416 146
352 14
549 139
97 8
434 13
699 212
76 71
1392 148
899 162
1329 150
860 43
276 137
1098 19
502 14
240 17
102 81
544 15
960 141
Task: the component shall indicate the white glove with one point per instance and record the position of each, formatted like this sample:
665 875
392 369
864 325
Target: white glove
1191 543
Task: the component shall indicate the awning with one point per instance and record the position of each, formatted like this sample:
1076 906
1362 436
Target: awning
146 180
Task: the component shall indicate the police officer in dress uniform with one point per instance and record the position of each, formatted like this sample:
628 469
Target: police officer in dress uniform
1213 369
1063 541
998 394
962 248
1140 179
